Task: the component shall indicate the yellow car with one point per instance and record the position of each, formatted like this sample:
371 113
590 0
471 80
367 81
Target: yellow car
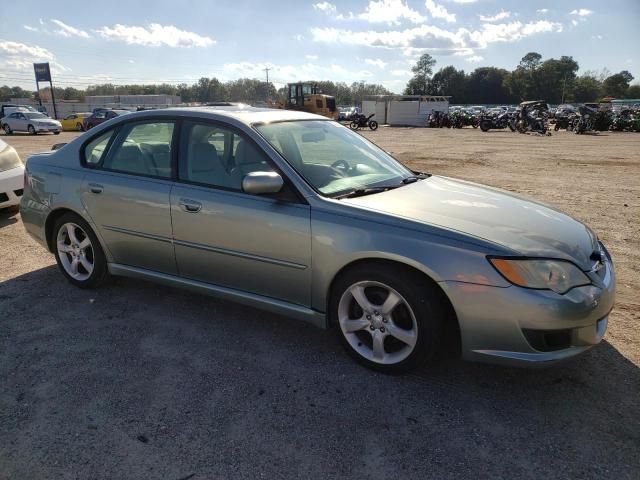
74 121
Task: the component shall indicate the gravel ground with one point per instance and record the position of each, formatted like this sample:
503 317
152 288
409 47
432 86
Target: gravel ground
140 381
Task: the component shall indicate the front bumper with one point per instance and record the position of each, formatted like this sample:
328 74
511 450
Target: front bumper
503 325
48 128
11 186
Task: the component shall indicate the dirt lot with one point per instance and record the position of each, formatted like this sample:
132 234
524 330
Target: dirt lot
134 380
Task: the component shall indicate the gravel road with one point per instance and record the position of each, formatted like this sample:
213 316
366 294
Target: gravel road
139 381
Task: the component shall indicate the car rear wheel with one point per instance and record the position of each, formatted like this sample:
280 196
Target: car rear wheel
7 129
79 127
386 319
78 251
32 130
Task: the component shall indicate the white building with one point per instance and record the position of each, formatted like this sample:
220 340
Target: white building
404 110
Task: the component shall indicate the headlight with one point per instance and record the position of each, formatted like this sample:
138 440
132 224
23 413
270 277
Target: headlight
557 275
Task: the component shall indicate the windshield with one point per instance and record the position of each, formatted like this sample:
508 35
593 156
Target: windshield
34 116
332 158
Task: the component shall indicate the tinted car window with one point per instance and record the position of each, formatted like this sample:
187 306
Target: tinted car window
94 150
143 149
217 156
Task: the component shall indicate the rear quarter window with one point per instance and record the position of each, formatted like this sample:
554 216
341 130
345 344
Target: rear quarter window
95 149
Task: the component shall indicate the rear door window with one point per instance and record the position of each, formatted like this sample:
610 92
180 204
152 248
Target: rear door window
142 148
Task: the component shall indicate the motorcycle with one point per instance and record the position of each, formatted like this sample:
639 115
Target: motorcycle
497 121
360 121
533 117
622 122
439 119
585 119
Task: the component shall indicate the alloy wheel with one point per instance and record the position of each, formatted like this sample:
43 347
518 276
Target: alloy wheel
75 251
377 322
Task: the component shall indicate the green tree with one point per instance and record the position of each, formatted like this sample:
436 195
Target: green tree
633 91
616 85
449 81
422 70
586 88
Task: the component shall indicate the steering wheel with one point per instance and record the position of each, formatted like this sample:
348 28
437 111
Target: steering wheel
341 165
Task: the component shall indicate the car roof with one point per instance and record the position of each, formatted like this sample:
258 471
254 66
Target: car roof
245 114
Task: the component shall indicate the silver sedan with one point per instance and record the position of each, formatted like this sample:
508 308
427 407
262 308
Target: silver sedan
31 122
295 214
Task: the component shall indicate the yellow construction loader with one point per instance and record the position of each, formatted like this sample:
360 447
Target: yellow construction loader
307 97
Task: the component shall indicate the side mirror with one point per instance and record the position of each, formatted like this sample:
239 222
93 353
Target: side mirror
260 183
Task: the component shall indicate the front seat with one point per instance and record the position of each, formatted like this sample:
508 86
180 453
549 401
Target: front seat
247 159
205 166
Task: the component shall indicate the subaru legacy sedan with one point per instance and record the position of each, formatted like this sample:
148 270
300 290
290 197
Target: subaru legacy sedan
296 214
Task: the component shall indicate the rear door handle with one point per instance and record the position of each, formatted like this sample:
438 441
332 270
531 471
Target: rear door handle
190 206
96 188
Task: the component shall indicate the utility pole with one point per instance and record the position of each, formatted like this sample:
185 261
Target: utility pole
267 71
564 84
267 85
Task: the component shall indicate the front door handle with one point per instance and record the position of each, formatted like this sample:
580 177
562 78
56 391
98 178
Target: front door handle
96 188
190 206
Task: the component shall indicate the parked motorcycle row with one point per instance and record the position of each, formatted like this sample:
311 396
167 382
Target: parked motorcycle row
591 117
535 117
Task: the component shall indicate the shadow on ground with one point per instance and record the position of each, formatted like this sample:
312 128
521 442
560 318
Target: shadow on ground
135 380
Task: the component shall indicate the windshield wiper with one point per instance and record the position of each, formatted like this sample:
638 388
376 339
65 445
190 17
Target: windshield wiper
414 178
361 192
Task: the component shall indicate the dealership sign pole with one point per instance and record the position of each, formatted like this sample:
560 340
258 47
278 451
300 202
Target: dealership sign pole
43 74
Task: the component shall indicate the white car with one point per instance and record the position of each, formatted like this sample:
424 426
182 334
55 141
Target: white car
11 176
32 122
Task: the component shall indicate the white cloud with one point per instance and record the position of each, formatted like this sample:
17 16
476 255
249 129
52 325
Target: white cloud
299 37
390 11
68 31
438 11
155 35
400 73
543 10
413 41
464 1
597 37
19 57
131 61
311 57
574 22
475 59
348 16
494 18
325 7
375 62
582 12
30 28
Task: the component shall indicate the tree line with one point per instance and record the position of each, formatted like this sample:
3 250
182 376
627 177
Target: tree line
245 90
553 80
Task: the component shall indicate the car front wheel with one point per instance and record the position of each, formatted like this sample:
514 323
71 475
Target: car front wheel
78 252
7 129
32 130
388 319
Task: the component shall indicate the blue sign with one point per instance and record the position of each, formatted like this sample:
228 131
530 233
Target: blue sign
43 74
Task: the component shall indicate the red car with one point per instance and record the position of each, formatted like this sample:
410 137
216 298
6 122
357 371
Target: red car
102 116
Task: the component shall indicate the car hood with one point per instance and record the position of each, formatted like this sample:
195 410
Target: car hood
524 226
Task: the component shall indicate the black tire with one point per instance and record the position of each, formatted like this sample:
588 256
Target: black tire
100 271
56 133
79 127
423 299
373 125
32 131
485 125
353 125
7 129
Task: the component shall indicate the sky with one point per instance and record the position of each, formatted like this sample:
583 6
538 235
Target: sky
372 40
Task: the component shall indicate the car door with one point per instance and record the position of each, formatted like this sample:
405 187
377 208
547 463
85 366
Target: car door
127 192
20 122
223 236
